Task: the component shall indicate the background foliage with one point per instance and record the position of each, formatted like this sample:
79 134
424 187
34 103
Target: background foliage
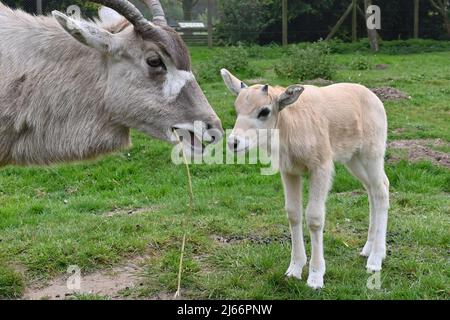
311 20
259 21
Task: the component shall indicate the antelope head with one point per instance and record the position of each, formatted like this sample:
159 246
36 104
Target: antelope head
149 82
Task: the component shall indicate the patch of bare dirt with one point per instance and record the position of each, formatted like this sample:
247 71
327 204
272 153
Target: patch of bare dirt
418 150
105 283
388 93
130 212
223 240
165 296
382 66
318 82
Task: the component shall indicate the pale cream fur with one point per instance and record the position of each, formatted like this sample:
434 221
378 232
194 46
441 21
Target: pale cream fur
343 123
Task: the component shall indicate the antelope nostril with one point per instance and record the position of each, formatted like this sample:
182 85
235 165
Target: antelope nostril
214 124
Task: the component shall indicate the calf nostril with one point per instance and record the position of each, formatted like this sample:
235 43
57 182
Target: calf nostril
233 143
209 126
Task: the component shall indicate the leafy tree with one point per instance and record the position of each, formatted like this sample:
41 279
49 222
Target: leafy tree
188 6
259 21
180 9
87 8
246 20
443 7
242 20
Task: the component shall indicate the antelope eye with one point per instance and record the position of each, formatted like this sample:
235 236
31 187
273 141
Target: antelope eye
155 62
264 113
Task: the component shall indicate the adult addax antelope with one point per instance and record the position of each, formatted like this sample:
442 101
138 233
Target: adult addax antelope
317 126
72 89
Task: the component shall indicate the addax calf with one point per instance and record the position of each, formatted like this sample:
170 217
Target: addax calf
317 126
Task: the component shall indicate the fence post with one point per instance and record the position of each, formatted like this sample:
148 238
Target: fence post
210 24
39 7
416 19
355 22
285 22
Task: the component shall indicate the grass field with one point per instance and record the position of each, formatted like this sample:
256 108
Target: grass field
238 243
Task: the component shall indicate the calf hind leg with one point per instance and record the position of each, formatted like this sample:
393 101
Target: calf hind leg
371 173
379 186
357 169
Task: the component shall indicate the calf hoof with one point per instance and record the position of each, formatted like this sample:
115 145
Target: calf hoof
294 271
367 249
315 280
375 261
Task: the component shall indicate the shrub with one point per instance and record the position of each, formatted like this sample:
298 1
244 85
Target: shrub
338 46
271 51
235 59
414 46
360 62
390 47
313 61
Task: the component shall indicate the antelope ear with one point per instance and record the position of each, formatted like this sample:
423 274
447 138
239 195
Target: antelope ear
111 21
234 84
290 96
88 33
110 16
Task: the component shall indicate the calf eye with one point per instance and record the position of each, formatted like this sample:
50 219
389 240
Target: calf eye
264 113
155 62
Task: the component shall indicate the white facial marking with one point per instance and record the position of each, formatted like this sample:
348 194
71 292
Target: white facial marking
175 82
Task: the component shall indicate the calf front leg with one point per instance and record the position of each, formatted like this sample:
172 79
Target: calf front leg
293 204
320 183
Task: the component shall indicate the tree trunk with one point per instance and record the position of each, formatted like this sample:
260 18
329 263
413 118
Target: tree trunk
285 22
442 8
372 34
355 21
210 24
446 22
416 18
188 7
447 25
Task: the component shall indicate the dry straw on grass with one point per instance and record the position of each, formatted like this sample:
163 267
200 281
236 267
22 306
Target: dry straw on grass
185 220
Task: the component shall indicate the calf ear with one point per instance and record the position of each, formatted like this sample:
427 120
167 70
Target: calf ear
88 33
234 84
290 96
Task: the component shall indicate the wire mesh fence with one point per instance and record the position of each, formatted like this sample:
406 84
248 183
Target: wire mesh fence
260 22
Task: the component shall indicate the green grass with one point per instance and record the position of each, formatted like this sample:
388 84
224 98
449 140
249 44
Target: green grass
11 283
51 218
